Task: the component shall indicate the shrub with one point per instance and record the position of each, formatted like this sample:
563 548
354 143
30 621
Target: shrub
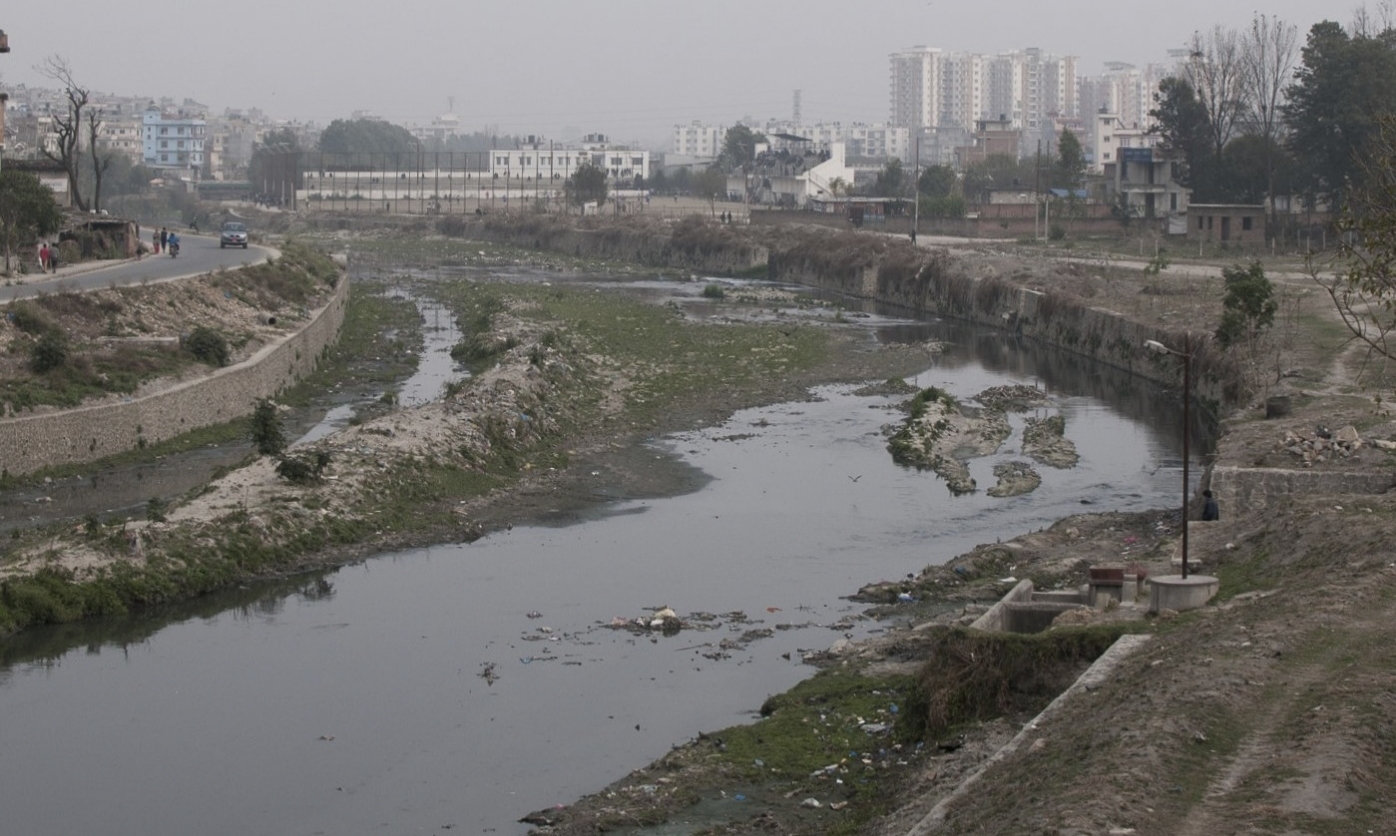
451 226
303 469
267 434
28 318
713 291
208 346
155 509
49 353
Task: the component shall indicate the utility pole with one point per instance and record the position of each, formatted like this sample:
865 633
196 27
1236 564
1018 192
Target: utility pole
1036 190
916 190
4 97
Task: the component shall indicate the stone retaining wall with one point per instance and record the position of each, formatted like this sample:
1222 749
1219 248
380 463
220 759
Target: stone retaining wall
1247 489
86 434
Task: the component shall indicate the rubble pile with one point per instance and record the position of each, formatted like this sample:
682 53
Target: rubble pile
1322 445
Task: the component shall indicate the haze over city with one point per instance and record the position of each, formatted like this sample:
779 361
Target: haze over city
627 68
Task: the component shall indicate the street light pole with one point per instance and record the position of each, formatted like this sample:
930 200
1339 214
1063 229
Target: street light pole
1186 356
916 189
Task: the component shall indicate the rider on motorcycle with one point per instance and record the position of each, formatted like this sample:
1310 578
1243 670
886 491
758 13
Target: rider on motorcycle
173 244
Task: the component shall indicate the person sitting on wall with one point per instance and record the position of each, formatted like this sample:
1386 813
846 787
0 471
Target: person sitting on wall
1210 512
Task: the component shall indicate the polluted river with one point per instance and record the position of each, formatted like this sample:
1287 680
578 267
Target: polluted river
458 687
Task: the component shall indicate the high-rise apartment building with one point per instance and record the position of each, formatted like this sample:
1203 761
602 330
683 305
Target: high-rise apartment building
916 87
1028 89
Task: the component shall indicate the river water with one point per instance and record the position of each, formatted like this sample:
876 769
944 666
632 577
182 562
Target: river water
355 701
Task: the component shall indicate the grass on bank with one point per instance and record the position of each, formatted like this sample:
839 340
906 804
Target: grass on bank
72 347
376 347
665 359
847 737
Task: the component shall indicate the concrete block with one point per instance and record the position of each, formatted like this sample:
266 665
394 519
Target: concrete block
1177 593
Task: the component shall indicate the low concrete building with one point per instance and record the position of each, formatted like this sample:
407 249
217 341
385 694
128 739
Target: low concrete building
1142 181
1232 223
50 174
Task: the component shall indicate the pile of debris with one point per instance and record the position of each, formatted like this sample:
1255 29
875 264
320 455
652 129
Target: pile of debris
1322 445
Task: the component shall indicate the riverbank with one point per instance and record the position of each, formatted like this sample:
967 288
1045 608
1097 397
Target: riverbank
1166 740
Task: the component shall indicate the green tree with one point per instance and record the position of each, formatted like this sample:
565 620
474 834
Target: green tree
1069 169
587 184
364 136
267 434
710 185
944 206
1255 168
998 171
1248 308
1248 312
27 211
739 147
682 181
936 181
1185 134
1343 85
891 180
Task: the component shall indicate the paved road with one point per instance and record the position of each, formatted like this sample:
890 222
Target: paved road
198 254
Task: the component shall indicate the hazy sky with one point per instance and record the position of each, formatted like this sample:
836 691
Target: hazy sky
627 68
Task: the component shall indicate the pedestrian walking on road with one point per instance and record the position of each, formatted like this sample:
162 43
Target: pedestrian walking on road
164 238
155 241
43 257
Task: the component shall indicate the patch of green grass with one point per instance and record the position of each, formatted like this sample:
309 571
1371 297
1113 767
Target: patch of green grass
1247 570
971 676
378 344
824 722
666 359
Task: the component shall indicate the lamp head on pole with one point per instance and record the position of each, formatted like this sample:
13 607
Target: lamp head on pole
1158 347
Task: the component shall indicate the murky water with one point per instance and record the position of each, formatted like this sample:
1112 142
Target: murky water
354 702
436 369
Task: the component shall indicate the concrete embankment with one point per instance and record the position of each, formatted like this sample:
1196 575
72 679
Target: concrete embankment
32 442
876 267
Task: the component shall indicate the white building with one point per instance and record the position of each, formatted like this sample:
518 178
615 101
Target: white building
859 139
915 87
122 135
550 162
698 140
953 91
172 141
826 175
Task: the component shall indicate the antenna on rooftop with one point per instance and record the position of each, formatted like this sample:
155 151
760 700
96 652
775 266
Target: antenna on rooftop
796 109
450 104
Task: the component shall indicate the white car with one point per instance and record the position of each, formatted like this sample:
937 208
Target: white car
233 234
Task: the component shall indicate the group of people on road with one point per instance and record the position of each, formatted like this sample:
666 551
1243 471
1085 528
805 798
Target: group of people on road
160 239
48 257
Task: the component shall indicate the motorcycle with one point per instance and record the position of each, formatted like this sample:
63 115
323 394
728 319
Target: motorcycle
174 249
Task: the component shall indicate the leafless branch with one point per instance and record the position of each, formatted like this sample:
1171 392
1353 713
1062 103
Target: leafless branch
67 125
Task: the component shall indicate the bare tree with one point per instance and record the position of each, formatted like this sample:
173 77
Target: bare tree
1363 286
1267 68
1367 23
1215 73
68 125
101 160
